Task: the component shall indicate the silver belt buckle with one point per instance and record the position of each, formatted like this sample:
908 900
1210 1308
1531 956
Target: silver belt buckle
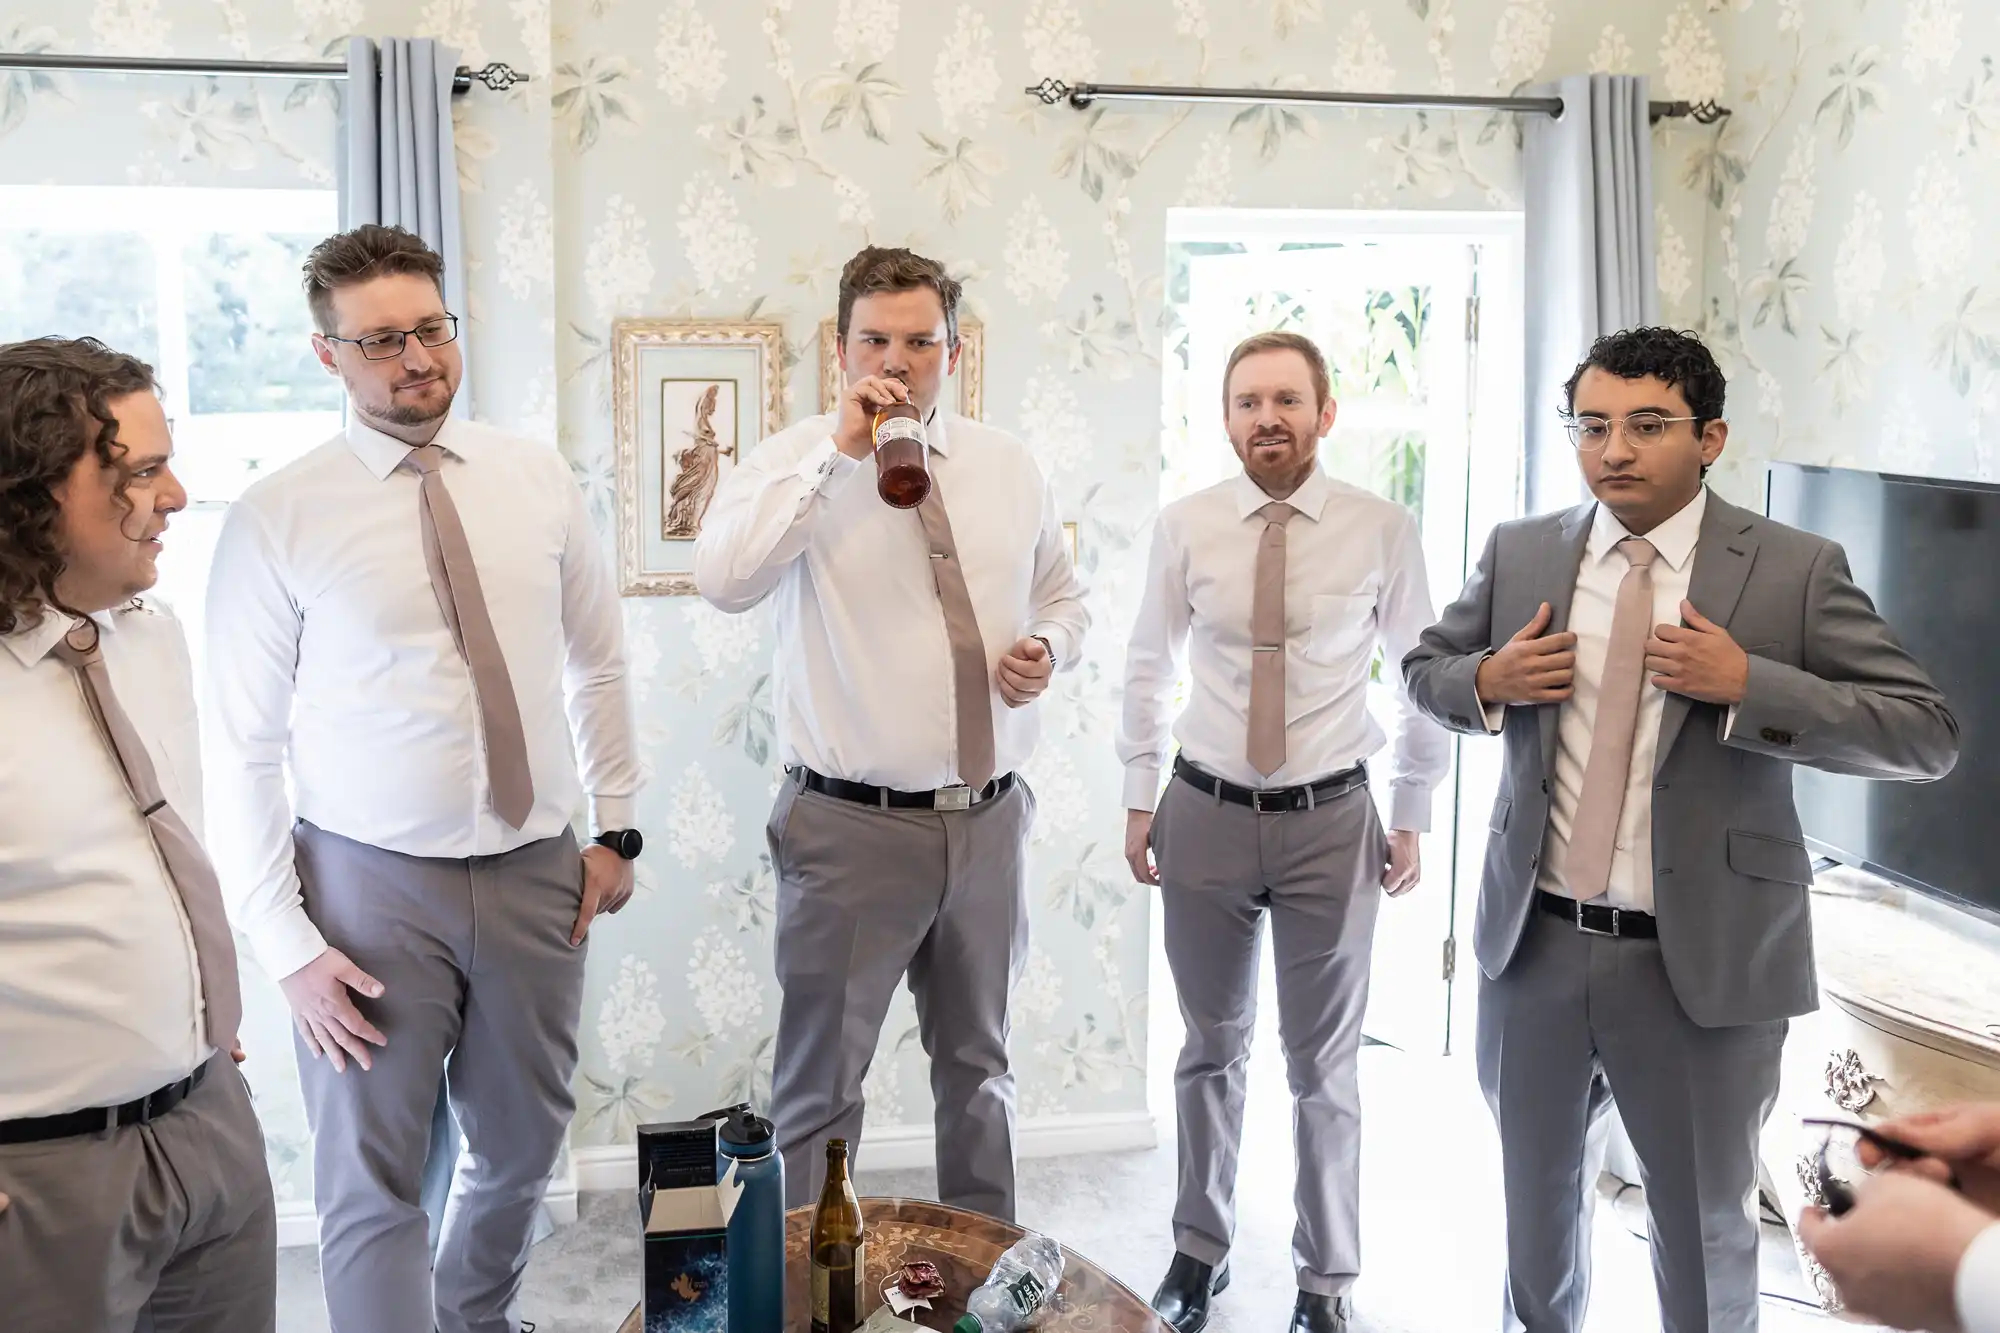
1279 804
1610 934
953 798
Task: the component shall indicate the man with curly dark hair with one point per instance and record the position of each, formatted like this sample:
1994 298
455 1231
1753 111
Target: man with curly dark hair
1657 662
133 1189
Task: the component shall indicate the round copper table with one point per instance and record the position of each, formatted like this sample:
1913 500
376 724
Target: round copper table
964 1246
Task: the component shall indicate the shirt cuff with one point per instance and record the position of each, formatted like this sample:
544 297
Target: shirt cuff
1495 716
1729 721
286 943
1978 1287
1142 784
1410 809
825 469
612 812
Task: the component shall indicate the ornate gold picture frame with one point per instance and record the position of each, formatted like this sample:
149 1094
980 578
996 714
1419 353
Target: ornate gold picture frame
689 398
971 375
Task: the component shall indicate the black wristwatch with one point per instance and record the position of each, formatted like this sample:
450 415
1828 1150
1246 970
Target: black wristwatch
624 841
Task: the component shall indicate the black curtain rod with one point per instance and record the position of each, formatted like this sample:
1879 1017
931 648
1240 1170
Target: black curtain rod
496 76
1082 95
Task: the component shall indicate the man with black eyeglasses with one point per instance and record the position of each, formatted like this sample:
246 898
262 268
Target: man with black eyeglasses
417 624
1657 661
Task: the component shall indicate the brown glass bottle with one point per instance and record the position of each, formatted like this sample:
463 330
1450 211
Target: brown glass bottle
839 1251
902 471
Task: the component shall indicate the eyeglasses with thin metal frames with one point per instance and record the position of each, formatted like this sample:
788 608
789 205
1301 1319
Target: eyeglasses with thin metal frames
391 342
1643 429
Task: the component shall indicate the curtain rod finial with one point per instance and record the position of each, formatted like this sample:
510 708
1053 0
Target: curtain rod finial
1052 91
496 76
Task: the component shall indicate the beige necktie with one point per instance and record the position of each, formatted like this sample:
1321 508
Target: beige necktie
1266 750
970 673
455 579
1607 773
188 866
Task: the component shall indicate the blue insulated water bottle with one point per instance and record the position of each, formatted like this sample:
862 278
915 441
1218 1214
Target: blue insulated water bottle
757 1227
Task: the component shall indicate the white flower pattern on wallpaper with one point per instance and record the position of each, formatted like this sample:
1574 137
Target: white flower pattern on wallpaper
1288 16
1931 37
700 827
960 175
1360 59
720 249
866 29
1940 221
205 124
526 242
1521 40
537 40
723 641
454 23
1210 184
1052 424
690 55
617 267
1191 19
630 1022
966 80
1860 266
1613 54
1037 261
1038 995
593 95
1673 267
1792 204
130 28
20 88
1692 65
727 994
1057 46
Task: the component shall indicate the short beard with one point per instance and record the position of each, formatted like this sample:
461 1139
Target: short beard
415 415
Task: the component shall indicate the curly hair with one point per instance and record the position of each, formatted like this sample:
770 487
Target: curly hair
55 402
1679 360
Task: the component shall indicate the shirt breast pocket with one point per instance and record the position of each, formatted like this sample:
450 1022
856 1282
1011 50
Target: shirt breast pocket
1343 624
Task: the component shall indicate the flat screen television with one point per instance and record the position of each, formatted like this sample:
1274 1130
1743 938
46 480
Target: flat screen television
1927 551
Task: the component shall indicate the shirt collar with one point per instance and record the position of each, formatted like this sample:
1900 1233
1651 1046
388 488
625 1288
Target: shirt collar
32 644
1674 539
1309 499
383 454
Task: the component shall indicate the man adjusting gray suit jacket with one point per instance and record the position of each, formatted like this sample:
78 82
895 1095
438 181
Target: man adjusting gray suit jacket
1656 662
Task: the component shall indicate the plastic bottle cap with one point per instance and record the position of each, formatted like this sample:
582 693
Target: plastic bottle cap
968 1323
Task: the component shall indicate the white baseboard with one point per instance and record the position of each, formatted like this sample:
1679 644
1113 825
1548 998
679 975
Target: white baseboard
901 1147
298 1223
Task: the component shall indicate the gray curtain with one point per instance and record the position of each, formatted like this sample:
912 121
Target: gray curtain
1589 263
1589 271
398 165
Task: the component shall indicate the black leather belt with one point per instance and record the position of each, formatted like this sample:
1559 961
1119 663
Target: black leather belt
887 798
1284 800
101 1119
1597 919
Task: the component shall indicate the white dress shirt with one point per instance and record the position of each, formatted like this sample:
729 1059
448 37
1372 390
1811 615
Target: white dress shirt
1978 1285
100 994
864 677
1354 578
1597 580
328 654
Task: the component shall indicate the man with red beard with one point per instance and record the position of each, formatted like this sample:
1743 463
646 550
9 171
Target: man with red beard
1284 581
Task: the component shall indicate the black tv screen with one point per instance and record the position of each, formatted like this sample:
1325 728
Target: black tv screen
1927 551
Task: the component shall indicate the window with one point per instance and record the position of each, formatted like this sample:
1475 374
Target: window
204 286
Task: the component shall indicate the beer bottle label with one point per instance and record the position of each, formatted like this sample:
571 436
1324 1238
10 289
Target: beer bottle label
898 428
822 1291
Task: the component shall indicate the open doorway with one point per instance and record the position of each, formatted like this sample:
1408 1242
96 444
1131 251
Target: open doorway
1420 317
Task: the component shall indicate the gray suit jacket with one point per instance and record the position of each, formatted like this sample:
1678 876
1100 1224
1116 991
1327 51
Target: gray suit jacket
1829 688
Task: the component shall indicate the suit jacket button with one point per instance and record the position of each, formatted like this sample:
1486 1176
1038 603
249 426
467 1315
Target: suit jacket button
1772 736
1545 786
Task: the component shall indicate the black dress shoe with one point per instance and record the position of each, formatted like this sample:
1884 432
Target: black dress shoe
1321 1314
1182 1299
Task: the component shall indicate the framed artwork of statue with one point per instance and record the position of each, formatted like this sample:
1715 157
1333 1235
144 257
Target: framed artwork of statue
970 399
688 397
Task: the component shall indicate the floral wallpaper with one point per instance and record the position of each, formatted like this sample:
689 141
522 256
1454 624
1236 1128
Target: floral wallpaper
1846 274
722 158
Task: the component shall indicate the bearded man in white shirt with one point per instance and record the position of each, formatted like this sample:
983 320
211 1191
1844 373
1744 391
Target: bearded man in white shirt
133 1187
1285 581
911 646
400 621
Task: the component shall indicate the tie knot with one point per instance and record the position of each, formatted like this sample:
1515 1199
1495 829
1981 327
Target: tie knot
79 647
1277 513
425 458
1638 551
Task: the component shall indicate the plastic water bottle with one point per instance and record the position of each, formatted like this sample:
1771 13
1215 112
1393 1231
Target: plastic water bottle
1020 1285
757 1227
